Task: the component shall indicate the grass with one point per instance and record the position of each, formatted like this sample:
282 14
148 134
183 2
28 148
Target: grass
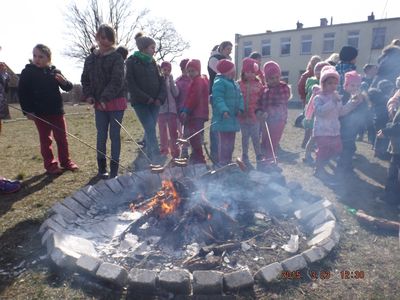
29 276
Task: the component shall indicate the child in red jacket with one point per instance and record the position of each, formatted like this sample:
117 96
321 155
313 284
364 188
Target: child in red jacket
252 90
195 109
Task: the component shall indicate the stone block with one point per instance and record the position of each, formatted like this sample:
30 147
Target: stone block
50 224
75 206
126 180
142 280
64 258
330 225
92 193
282 202
68 215
321 217
114 185
293 185
321 237
313 209
103 188
88 264
328 246
294 263
46 235
238 280
259 177
269 273
66 242
314 254
207 282
280 189
175 281
83 199
112 273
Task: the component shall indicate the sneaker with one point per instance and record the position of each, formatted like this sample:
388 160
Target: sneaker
54 170
70 165
8 186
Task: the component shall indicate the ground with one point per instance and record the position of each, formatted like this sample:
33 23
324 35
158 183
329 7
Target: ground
25 273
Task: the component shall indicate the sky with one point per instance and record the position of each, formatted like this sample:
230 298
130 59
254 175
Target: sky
25 23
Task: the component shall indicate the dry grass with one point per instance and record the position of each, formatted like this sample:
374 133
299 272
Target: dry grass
360 248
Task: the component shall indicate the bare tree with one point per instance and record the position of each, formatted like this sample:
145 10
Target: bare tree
84 22
170 44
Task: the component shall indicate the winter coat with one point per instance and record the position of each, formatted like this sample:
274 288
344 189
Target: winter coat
327 110
211 67
251 92
39 91
388 65
227 97
355 119
4 113
309 87
393 104
392 130
144 81
170 105
301 84
183 83
196 102
274 102
342 68
103 76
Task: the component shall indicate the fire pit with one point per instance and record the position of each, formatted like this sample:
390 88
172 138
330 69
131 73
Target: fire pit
190 230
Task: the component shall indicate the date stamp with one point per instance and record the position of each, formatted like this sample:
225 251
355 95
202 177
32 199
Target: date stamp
322 274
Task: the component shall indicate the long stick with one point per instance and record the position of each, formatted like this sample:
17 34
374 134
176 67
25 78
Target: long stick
270 141
70 134
204 128
137 145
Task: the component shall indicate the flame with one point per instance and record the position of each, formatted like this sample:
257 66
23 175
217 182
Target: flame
167 199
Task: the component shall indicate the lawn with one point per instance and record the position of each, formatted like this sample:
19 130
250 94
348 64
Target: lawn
25 273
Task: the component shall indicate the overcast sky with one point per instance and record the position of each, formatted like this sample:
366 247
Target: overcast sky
204 24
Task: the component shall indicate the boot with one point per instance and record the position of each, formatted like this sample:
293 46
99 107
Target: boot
102 166
114 165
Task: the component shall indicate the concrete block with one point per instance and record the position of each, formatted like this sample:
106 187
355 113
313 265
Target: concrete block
207 282
114 185
66 242
321 217
330 225
238 280
88 264
176 281
294 263
126 180
269 273
68 215
83 199
75 206
112 273
46 235
313 209
314 254
142 280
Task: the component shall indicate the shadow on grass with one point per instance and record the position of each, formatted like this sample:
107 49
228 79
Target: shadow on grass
29 187
372 170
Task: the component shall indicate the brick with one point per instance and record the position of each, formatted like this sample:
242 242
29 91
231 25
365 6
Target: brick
269 273
207 282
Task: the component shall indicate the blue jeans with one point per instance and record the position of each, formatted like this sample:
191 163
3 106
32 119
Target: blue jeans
104 120
148 115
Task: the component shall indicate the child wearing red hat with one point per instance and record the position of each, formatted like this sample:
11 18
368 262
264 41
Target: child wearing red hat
167 118
227 104
273 108
195 109
252 90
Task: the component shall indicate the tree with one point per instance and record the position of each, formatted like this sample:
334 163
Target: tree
84 21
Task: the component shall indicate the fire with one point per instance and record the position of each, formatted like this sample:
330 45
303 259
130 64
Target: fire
166 200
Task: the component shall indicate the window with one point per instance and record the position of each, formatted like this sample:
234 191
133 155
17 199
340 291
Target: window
247 48
329 42
306 42
378 38
285 46
266 47
352 38
285 76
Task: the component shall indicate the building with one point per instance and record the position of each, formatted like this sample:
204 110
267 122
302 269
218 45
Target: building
293 48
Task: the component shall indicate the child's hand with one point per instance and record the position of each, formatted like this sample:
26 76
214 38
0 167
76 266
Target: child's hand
380 134
226 115
60 78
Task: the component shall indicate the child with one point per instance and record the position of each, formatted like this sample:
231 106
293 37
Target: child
252 90
394 102
167 118
40 97
274 103
348 56
351 123
301 84
392 130
309 120
4 113
260 75
327 109
195 109
103 85
227 104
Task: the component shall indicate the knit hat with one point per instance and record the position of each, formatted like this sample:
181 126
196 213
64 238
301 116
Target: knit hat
142 41
271 68
166 65
352 77
225 66
183 63
319 65
348 53
328 71
249 65
195 64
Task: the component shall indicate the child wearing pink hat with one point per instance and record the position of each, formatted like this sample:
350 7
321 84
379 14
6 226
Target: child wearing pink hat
327 109
273 109
227 104
252 90
194 111
167 118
